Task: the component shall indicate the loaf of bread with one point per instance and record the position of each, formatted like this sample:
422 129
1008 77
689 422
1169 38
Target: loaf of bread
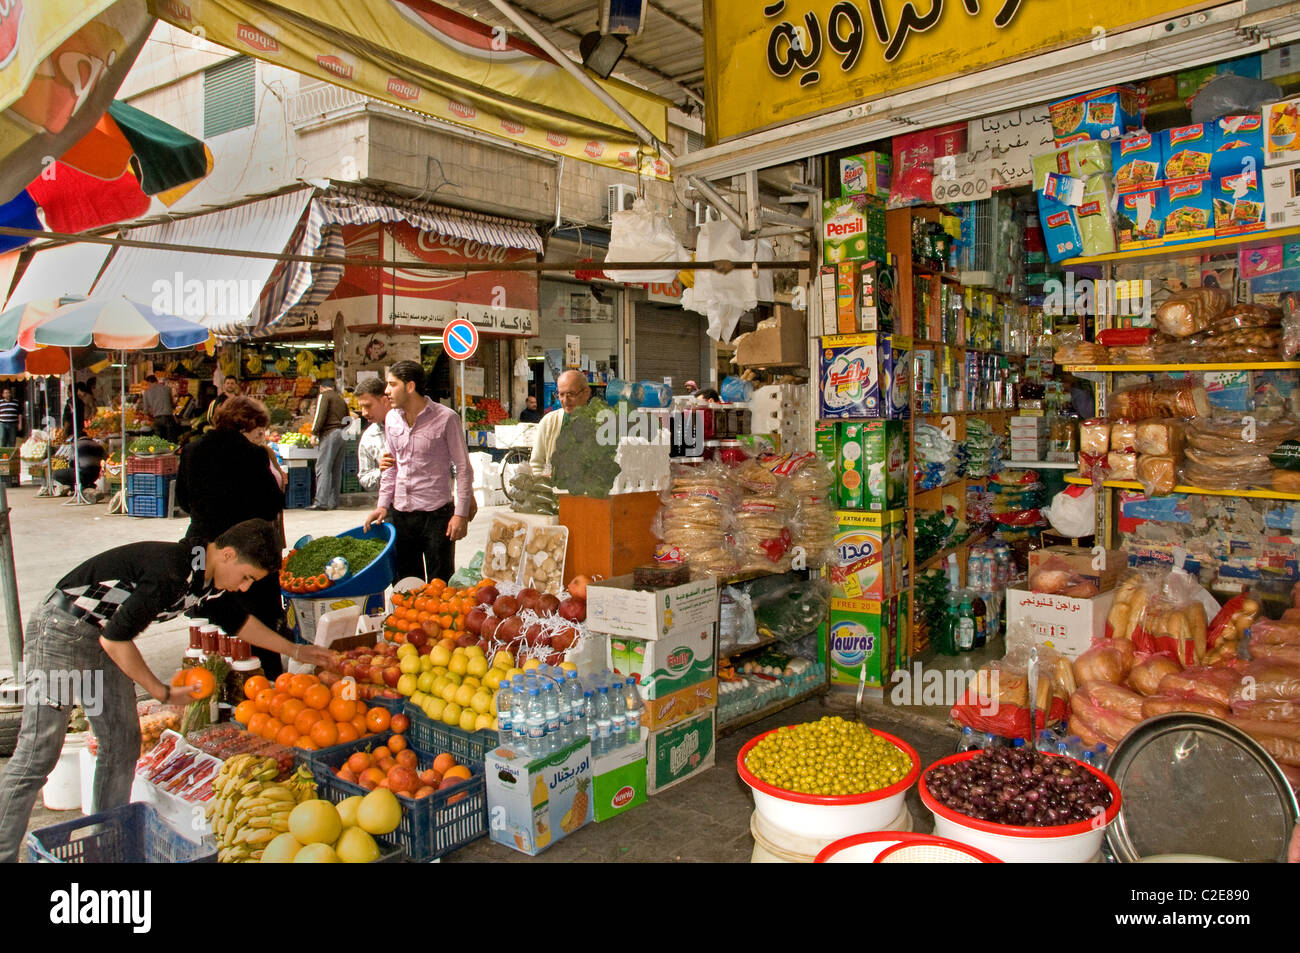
1094 437
1157 473
1164 437
1122 466
1123 436
1195 309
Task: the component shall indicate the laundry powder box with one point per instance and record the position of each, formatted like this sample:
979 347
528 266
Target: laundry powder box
853 229
865 375
871 467
621 781
532 803
864 564
680 752
868 174
861 635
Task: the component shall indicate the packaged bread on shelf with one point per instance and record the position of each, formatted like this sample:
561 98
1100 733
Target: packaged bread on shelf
1194 309
1081 352
1122 466
1123 436
1094 437
1166 398
1157 473
1164 437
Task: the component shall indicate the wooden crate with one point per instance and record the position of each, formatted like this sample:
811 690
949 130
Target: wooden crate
608 537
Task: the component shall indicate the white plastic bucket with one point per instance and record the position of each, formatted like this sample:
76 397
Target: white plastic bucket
86 762
775 846
62 791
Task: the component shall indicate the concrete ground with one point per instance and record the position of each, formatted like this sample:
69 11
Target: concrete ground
705 819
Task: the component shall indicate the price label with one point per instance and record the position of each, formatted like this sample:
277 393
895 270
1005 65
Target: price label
852 588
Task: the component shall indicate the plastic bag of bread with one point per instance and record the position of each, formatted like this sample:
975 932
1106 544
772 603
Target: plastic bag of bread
1194 309
1286 481
1162 437
1116 698
1246 315
1229 627
1122 466
1147 672
1268 711
1106 660
1092 467
1165 398
998 700
1167 704
1158 474
1094 437
1269 632
1090 720
1285 751
1123 435
1163 613
1216 685
1289 654
1230 436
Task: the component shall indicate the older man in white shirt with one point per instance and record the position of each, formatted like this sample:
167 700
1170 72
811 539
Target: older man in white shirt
571 387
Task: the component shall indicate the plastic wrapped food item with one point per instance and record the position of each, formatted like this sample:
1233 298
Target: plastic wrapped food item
1090 720
1164 437
1286 481
1090 465
1288 654
1158 474
1167 704
1268 711
1081 352
1116 698
1123 436
1106 660
505 548
1094 437
1246 316
1269 632
1186 312
155 718
1165 398
1122 466
1147 672
1211 347
1125 337
1216 685
1285 751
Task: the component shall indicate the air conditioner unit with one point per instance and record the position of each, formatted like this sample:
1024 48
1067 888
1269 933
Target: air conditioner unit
620 199
704 212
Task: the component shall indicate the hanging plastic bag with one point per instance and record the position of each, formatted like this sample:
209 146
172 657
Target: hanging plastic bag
723 298
1230 95
643 235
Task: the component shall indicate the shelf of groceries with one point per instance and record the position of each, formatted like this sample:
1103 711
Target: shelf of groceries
1255 494
1176 368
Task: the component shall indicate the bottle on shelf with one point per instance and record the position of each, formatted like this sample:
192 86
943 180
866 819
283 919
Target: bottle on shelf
589 716
505 727
519 707
535 715
604 722
573 691
981 619
965 623
635 711
618 717
970 740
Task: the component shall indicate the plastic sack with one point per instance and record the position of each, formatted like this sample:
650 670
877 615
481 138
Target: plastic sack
998 700
736 625
1095 724
1073 512
791 609
1148 671
1166 398
734 390
643 235
470 575
1106 660
1163 613
1215 685
1228 94
1115 698
1290 330
724 298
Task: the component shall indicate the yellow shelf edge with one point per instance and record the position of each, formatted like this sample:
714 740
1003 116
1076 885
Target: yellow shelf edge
1191 248
1138 368
1193 490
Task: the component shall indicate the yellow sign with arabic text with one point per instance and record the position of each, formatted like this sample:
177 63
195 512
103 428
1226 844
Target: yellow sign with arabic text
775 62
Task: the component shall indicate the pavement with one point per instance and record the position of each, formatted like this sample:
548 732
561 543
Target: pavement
704 819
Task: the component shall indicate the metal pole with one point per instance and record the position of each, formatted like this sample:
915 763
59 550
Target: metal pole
121 493
9 585
463 421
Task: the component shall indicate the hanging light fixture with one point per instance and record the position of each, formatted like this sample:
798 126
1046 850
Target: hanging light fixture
601 53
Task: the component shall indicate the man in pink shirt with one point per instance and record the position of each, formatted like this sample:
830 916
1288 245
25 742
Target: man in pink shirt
417 494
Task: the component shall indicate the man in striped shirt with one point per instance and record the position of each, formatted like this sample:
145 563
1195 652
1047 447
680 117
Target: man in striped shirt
10 416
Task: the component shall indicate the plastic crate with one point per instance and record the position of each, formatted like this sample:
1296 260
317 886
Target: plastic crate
149 484
161 463
431 826
155 506
133 834
394 705
350 484
297 499
429 735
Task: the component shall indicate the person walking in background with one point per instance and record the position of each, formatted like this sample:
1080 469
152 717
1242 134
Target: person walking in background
84 394
371 448
158 403
227 476
327 434
10 417
428 507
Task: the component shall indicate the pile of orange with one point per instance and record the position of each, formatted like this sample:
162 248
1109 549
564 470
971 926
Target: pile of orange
397 767
437 607
300 711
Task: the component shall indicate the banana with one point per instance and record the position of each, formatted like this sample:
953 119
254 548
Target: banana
270 772
258 823
260 836
251 803
251 789
277 792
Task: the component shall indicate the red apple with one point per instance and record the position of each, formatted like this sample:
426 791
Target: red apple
349 669
547 604
485 645
466 639
361 671
564 638
425 649
388 693
474 620
418 636
528 598
365 692
505 606
489 627
574 609
487 595
391 676
535 634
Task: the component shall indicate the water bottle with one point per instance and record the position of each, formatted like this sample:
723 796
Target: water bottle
536 715
505 728
618 718
551 706
970 740
604 722
589 716
519 721
574 693
1098 756
635 711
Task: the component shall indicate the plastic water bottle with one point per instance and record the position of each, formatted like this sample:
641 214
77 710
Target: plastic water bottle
551 706
635 711
574 694
618 718
536 716
1098 756
589 716
519 718
604 722
505 728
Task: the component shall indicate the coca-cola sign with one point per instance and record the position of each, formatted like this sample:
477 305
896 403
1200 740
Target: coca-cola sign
255 39
464 247
11 17
461 110
402 89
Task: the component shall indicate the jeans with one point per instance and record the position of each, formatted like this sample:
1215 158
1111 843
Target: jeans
8 435
63 661
422 547
329 469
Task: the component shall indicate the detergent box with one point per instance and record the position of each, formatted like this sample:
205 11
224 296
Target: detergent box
853 229
866 375
534 802
864 564
863 634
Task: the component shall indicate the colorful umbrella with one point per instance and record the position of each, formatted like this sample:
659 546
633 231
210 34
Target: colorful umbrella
42 362
22 318
115 323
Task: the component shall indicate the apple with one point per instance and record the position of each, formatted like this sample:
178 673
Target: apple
426 649
391 676
361 671
487 595
417 637
474 620
528 598
535 635
485 645
555 659
574 609
328 677
547 604
505 606
489 628
349 669
387 693
365 692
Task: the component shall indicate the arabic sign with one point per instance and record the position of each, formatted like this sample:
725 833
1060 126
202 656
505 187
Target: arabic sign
781 60
1009 141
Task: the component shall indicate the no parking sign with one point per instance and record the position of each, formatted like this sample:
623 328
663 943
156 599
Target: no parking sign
460 339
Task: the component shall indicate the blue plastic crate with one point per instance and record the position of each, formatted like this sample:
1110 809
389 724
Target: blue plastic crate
431 826
299 478
149 484
465 746
133 834
297 499
155 506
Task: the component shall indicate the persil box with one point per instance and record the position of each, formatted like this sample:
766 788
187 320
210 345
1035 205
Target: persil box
1139 161
1104 114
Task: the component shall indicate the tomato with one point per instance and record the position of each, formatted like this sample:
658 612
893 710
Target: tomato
322 581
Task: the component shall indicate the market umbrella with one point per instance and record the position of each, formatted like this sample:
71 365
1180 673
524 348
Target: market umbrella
42 362
23 317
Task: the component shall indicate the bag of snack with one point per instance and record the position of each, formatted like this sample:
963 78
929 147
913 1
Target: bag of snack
1148 671
1091 721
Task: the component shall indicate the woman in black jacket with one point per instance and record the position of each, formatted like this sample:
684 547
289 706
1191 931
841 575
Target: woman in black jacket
226 478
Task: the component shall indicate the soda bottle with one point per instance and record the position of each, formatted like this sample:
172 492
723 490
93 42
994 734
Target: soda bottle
604 722
981 618
551 706
635 711
536 715
505 728
618 718
573 692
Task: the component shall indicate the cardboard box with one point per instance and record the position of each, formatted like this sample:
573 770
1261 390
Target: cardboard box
1235 172
686 658
863 633
303 614
1282 195
870 555
1189 211
872 469
877 297
1282 132
620 780
1103 114
829 275
679 705
1067 625
868 174
846 297
615 608
529 800
853 229
1079 560
1141 219
1280 61
899 551
826 441
1139 161
1187 151
866 375
781 339
680 752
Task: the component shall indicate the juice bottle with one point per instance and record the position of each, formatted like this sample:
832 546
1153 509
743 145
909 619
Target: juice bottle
541 813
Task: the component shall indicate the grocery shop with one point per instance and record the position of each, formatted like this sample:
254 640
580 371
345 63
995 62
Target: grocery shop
1006 459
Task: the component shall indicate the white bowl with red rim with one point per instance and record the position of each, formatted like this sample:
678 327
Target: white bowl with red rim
872 847
828 817
1075 843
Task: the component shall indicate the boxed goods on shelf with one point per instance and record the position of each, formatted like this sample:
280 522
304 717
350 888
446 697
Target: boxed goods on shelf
665 710
535 802
1069 625
781 339
680 752
1236 172
862 634
1282 196
620 781
871 463
853 229
1080 564
1282 132
868 173
684 658
866 562
866 375
616 608
1103 114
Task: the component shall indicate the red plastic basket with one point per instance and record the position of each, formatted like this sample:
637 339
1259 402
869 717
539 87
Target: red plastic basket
163 463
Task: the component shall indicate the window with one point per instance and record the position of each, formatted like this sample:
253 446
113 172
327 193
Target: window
229 96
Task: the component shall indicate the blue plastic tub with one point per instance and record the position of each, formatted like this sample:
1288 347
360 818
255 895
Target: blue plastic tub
376 577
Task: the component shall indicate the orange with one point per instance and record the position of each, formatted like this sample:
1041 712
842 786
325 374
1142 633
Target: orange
244 711
444 763
318 697
282 682
396 744
263 700
341 709
359 761
359 723
256 684
369 785
306 718
373 775
346 732
306 744
342 686
298 684
325 733
276 708
257 722
345 774
273 726
287 735
362 707
290 710
457 771
407 759
381 753
378 719
385 765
